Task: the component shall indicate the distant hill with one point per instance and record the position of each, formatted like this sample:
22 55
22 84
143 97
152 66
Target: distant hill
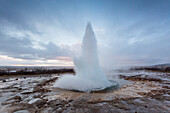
163 65
36 67
159 68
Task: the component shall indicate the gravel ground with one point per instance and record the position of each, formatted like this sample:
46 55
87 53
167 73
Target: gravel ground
139 92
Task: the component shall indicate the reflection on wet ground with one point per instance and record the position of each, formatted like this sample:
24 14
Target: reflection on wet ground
139 91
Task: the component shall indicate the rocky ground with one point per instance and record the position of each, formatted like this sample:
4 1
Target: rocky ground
139 91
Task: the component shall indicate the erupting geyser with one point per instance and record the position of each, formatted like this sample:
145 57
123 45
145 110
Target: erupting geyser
89 75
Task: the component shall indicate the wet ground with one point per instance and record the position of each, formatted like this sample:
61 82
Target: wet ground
139 91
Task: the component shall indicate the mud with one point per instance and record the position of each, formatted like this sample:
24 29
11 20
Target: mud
143 93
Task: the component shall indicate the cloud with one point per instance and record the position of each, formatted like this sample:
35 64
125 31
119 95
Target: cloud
26 33
24 49
144 42
128 32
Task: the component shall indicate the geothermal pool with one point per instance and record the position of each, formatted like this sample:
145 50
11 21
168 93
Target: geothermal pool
139 91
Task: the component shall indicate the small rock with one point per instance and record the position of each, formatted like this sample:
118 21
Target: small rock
37 96
70 100
15 98
31 90
40 103
22 111
54 103
33 100
4 80
58 103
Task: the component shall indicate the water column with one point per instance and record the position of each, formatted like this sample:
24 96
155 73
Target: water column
89 74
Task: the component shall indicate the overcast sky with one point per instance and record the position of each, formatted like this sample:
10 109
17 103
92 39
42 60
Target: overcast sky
49 32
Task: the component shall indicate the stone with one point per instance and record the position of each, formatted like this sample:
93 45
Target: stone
33 100
15 98
22 111
40 103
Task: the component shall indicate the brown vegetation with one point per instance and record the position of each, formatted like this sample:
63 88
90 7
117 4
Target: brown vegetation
36 71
